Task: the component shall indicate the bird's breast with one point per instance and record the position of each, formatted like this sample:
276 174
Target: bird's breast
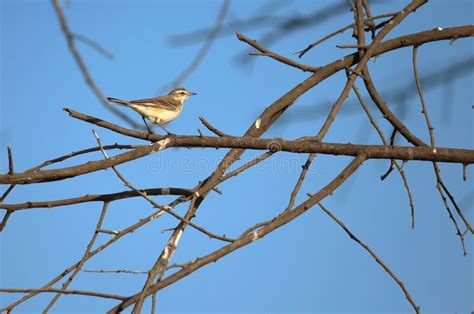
157 115
163 116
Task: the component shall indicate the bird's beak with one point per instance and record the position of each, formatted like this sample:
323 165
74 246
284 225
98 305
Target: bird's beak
192 93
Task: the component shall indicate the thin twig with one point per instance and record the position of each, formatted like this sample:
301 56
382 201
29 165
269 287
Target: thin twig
5 218
213 33
94 44
211 128
339 31
300 181
167 209
393 163
282 219
178 265
11 168
7 191
351 46
247 165
81 152
453 219
439 181
83 258
83 68
61 291
372 253
456 206
265 52
8 213
130 229
153 303
115 271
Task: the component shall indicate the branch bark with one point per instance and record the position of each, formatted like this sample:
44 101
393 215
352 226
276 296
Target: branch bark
303 145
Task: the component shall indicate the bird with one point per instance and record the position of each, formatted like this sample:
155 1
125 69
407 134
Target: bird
159 110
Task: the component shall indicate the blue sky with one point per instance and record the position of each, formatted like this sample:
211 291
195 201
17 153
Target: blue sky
308 265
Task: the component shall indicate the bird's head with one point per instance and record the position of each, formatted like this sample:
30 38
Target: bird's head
181 94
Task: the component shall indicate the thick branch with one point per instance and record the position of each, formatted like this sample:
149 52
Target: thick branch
95 198
303 145
260 126
248 238
77 292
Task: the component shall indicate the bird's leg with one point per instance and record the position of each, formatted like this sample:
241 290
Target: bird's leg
146 124
168 132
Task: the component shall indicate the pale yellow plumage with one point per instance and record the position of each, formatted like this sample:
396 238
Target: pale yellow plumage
159 110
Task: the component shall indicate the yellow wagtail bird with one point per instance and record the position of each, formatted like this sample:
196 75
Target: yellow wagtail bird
159 110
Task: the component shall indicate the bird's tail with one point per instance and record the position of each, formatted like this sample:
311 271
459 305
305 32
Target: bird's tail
118 101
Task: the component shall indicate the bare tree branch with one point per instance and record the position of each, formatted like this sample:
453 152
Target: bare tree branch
186 72
303 145
163 271
96 198
301 53
83 258
372 253
435 165
282 219
61 291
265 52
83 68
393 162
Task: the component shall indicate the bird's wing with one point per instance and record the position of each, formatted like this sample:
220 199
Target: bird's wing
163 102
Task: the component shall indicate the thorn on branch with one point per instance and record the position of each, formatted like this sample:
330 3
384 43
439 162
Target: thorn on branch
113 232
217 190
392 136
168 229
